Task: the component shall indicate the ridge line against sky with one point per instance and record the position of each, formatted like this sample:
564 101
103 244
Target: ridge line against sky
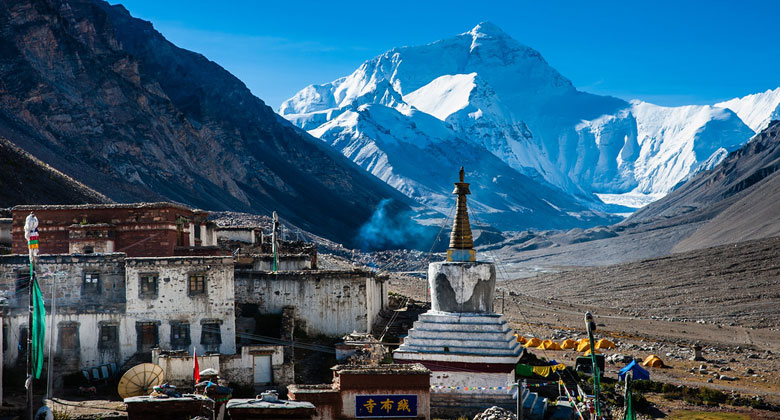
662 52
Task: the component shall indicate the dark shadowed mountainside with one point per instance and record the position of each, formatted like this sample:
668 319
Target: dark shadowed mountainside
106 99
26 180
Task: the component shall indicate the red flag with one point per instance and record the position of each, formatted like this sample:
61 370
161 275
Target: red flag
196 370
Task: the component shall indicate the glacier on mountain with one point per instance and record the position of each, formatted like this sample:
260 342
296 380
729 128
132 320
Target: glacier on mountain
483 91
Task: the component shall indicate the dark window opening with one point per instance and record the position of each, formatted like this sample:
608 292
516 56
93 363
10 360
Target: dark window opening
197 284
148 287
180 335
21 346
89 250
108 337
197 231
69 339
147 335
210 336
91 285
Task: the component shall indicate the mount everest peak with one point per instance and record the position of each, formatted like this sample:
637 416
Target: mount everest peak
485 92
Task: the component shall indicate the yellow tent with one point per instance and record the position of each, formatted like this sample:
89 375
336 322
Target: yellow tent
533 342
604 344
520 339
587 353
582 346
568 344
549 345
583 340
653 361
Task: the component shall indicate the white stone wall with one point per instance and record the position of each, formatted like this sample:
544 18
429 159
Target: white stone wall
328 302
173 302
241 235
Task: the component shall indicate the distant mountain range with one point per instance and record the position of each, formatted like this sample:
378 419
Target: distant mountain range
484 89
108 101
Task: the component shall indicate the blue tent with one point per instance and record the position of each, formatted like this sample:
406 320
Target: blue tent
636 371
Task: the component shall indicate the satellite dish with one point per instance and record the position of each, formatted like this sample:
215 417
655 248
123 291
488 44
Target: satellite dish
140 380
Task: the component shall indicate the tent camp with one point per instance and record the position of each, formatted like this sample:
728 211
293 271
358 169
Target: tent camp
533 342
604 344
653 361
636 371
520 339
587 353
568 344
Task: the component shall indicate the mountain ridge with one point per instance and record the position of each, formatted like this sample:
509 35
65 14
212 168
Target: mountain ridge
106 99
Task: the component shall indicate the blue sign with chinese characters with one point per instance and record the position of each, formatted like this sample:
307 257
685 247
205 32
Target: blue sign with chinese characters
385 406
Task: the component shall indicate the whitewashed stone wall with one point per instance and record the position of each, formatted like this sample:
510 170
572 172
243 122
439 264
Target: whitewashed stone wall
173 302
326 302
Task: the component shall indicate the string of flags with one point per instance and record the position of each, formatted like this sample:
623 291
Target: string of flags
482 388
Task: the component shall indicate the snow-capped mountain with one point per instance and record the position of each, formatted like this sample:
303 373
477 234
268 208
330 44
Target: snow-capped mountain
756 110
496 94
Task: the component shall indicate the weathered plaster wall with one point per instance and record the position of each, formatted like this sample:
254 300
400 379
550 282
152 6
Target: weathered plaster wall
237 369
327 302
174 303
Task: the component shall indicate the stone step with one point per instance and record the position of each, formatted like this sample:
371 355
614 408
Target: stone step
461 318
481 351
461 326
461 334
470 342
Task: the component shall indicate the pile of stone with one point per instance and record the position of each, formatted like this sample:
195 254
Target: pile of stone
495 413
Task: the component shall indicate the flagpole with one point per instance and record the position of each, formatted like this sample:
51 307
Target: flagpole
30 225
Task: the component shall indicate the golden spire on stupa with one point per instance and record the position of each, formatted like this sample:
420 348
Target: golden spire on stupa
461 242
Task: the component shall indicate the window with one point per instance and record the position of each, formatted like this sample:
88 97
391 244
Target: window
197 284
210 336
180 335
69 337
146 333
197 231
108 337
91 284
89 249
148 287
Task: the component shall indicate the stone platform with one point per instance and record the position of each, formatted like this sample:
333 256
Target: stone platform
461 338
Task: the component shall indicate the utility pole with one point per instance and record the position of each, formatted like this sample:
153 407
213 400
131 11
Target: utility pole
520 392
274 241
591 326
52 336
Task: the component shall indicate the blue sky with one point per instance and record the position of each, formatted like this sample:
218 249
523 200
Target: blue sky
666 52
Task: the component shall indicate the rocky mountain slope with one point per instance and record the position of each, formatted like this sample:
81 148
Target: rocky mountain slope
738 198
501 95
107 100
26 180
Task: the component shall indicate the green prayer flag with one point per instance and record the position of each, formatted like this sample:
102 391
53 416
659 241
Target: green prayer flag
38 329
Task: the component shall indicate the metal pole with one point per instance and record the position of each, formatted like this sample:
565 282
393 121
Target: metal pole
29 382
50 366
591 326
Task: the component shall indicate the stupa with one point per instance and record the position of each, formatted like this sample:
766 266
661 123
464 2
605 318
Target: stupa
468 348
